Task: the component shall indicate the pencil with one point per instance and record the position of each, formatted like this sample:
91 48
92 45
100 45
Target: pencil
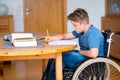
47 32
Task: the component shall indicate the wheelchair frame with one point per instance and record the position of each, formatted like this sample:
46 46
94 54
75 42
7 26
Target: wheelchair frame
105 60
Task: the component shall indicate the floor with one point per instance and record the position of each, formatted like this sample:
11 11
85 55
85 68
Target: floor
30 70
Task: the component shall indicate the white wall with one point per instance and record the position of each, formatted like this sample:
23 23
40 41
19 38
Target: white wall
15 8
95 9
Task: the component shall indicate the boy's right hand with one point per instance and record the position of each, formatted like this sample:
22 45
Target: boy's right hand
48 38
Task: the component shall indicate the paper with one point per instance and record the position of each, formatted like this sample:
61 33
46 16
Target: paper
63 42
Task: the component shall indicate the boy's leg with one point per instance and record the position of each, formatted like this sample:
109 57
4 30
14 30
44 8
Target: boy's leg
51 74
48 69
71 58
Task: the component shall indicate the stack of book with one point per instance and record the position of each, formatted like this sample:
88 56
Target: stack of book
23 40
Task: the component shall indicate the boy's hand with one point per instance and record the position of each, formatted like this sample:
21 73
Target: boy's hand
48 38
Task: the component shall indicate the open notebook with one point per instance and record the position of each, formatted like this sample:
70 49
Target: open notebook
63 42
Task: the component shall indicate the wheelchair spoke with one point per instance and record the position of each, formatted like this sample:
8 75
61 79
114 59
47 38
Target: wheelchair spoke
97 69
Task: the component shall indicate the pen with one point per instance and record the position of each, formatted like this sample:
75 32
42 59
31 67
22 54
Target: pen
47 32
48 38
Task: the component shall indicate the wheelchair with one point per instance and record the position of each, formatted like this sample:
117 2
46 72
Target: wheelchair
95 69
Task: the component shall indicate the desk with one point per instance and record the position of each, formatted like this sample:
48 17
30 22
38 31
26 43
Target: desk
45 52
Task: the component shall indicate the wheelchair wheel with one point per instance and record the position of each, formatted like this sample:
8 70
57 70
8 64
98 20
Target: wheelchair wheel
97 69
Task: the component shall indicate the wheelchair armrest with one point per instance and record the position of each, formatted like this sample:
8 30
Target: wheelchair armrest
107 30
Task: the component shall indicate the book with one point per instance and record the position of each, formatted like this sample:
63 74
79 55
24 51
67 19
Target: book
63 42
23 40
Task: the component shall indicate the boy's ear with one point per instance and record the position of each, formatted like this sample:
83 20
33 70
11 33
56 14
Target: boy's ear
84 22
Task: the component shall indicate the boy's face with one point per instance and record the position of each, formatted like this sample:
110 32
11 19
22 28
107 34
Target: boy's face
79 27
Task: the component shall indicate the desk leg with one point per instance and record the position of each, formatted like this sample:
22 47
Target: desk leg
1 71
59 75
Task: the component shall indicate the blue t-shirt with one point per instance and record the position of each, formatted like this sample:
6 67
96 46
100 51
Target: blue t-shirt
93 38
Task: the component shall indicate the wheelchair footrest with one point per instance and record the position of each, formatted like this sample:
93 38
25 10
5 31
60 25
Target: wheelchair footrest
68 73
68 69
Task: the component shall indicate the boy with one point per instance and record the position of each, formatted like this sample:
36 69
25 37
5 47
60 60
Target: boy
90 40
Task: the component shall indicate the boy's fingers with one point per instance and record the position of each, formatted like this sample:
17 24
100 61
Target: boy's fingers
47 39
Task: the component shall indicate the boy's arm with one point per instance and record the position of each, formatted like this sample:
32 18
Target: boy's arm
92 53
59 37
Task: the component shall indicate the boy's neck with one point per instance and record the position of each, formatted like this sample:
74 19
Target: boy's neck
86 28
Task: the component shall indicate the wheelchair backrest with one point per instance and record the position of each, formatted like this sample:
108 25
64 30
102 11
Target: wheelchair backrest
106 34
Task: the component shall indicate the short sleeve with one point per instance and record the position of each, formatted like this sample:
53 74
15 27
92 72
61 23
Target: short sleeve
75 34
93 41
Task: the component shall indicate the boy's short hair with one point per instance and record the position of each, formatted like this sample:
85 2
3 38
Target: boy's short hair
79 15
